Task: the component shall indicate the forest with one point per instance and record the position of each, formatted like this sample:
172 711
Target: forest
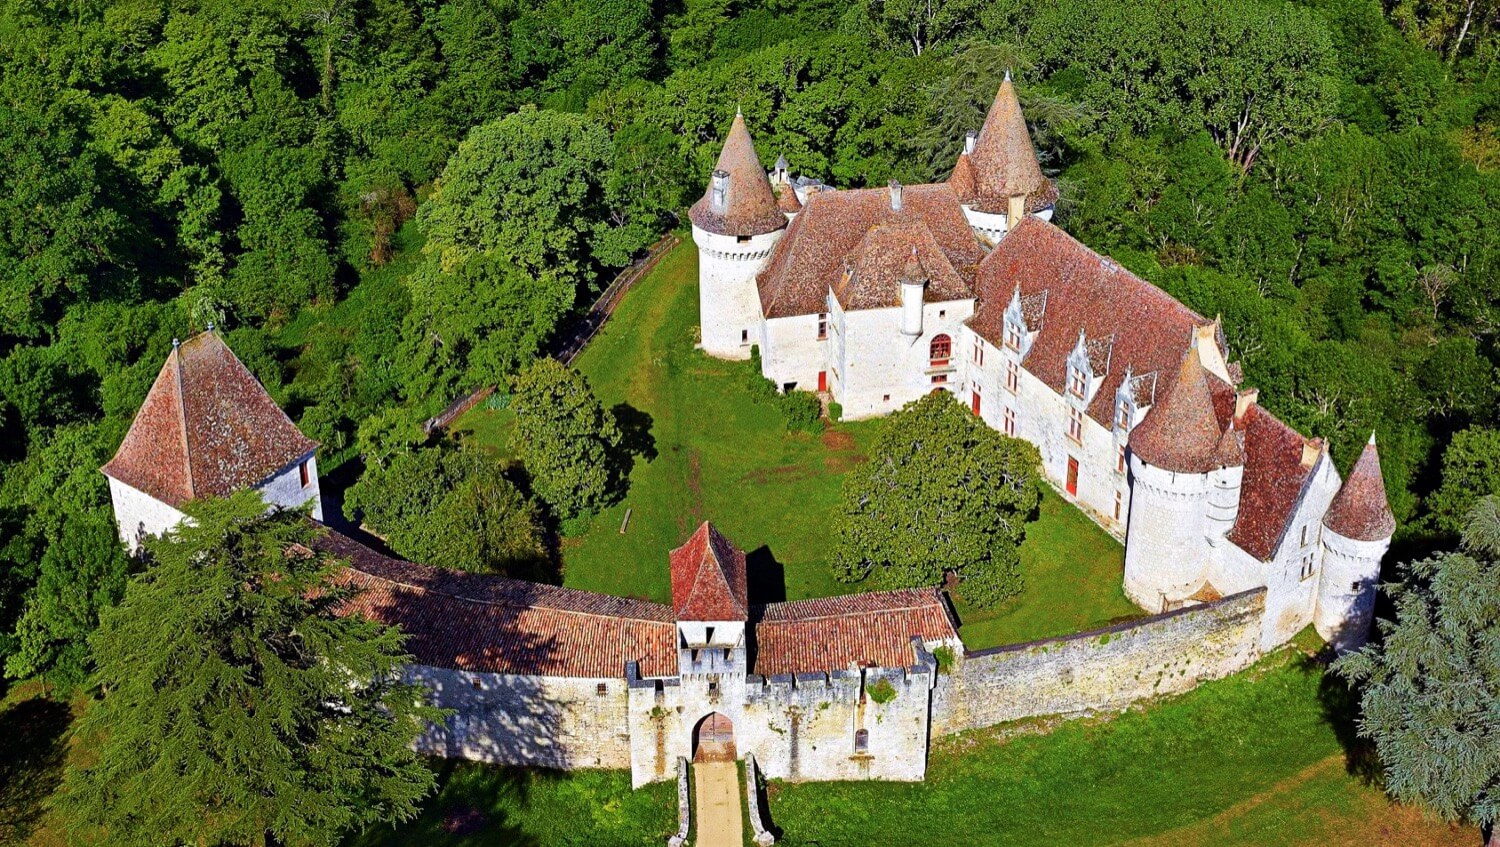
384 204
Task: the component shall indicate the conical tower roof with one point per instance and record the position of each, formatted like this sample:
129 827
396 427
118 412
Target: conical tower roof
206 429
750 207
1004 162
709 581
1360 510
1181 433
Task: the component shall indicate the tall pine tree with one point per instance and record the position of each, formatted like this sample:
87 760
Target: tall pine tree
237 707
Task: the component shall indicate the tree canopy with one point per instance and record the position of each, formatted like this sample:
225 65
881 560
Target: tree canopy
566 440
942 494
236 706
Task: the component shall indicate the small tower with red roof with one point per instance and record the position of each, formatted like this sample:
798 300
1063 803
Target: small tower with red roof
998 177
735 225
206 429
711 597
1357 530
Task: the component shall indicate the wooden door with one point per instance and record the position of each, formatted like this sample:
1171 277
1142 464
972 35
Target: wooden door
1072 476
715 739
822 380
974 401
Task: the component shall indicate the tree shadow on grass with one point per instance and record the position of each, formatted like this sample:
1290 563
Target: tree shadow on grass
32 750
468 810
1340 705
636 440
766 576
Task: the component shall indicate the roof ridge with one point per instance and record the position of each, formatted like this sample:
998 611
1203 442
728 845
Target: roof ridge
483 602
182 427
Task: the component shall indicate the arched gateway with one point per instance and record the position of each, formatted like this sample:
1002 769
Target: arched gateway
713 739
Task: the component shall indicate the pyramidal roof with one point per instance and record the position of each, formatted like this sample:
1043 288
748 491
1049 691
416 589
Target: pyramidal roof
709 581
1360 510
750 207
1181 433
1003 163
207 429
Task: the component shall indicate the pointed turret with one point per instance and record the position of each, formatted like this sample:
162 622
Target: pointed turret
1360 511
739 200
1181 433
1002 163
709 582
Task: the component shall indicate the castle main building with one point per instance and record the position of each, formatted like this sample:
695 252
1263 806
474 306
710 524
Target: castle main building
874 297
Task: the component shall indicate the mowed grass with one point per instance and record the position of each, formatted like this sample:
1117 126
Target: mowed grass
721 457
1252 760
484 806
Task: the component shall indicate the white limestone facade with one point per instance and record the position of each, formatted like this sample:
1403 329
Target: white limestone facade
1346 588
294 487
139 515
728 305
876 368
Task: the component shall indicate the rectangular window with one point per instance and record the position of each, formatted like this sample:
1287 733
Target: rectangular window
744 336
1012 336
822 325
1122 417
1075 382
939 379
1354 586
602 689
979 351
1012 376
1075 425
861 741
713 688
1119 503
1307 566
305 474
1010 422
974 402
742 239
1304 534
1120 459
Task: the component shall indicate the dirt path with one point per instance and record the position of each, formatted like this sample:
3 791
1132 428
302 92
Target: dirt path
716 806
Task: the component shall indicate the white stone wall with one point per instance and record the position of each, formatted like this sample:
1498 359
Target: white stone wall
990 227
728 302
286 489
138 514
791 352
1290 598
878 369
535 721
1167 557
1346 589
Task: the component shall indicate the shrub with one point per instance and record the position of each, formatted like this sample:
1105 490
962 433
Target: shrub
881 692
944 656
835 411
803 411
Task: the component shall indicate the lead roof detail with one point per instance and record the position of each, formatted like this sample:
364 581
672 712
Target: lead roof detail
206 429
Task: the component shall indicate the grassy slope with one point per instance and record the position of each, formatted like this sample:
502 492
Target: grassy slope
1252 760
721 457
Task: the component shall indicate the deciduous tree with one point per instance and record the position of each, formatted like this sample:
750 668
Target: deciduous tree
565 438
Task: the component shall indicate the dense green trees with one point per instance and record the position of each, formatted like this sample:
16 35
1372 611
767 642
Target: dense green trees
568 443
942 494
1428 689
236 707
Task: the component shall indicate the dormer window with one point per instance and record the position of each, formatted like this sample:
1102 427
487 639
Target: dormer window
1012 335
1122 416
1077 383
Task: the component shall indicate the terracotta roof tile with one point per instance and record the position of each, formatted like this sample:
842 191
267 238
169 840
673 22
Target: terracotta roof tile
206 429
1003 162
709 581
1360 510
1273 483
1066 287
873 273
492 624
1182 432
751 207
810 258
786 200
832 633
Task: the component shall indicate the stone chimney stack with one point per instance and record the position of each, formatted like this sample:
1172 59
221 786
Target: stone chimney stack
971 140
1312 448
1242 403
896 201
719 188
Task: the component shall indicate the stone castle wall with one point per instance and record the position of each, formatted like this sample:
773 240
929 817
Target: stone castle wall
1100 671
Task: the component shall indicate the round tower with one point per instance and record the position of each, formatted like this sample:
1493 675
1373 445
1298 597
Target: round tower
736 224
913 291
1185 471
998 178
1357 530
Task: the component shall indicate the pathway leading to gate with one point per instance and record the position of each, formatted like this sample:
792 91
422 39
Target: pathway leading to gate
716 806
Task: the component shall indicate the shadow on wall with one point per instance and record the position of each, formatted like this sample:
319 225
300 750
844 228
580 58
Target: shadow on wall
766 577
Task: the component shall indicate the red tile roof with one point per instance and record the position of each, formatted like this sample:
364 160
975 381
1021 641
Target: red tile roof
1181 432
751 206
832 633
882 261
1360 510
709 581
786 200
206 429
492 624
1083 290
1004 161
1274 479
810 258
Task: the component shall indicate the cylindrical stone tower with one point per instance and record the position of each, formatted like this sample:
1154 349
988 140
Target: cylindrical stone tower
1357 532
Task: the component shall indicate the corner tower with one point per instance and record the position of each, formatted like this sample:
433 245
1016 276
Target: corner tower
206 429
735 225
1357 531
998 178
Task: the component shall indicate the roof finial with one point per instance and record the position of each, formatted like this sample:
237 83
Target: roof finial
1007 74
210 326
1372 438
737 112
176 344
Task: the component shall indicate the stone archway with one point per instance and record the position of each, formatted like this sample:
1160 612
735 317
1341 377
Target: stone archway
713 739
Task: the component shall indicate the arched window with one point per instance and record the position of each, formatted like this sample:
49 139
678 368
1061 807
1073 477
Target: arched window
941 350
861 741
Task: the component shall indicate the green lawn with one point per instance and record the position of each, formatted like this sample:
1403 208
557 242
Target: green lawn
1252 760
721 457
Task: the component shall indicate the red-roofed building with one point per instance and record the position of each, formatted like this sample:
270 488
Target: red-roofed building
206 429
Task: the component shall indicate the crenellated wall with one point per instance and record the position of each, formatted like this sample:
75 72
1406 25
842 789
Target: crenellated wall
1101 671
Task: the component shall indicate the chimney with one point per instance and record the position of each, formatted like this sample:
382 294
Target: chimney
1016 211
1242 403
971 140
1312 448
718 199
896 202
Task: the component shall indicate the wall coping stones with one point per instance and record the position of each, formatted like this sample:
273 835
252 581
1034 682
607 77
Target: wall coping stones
684 810
752 800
